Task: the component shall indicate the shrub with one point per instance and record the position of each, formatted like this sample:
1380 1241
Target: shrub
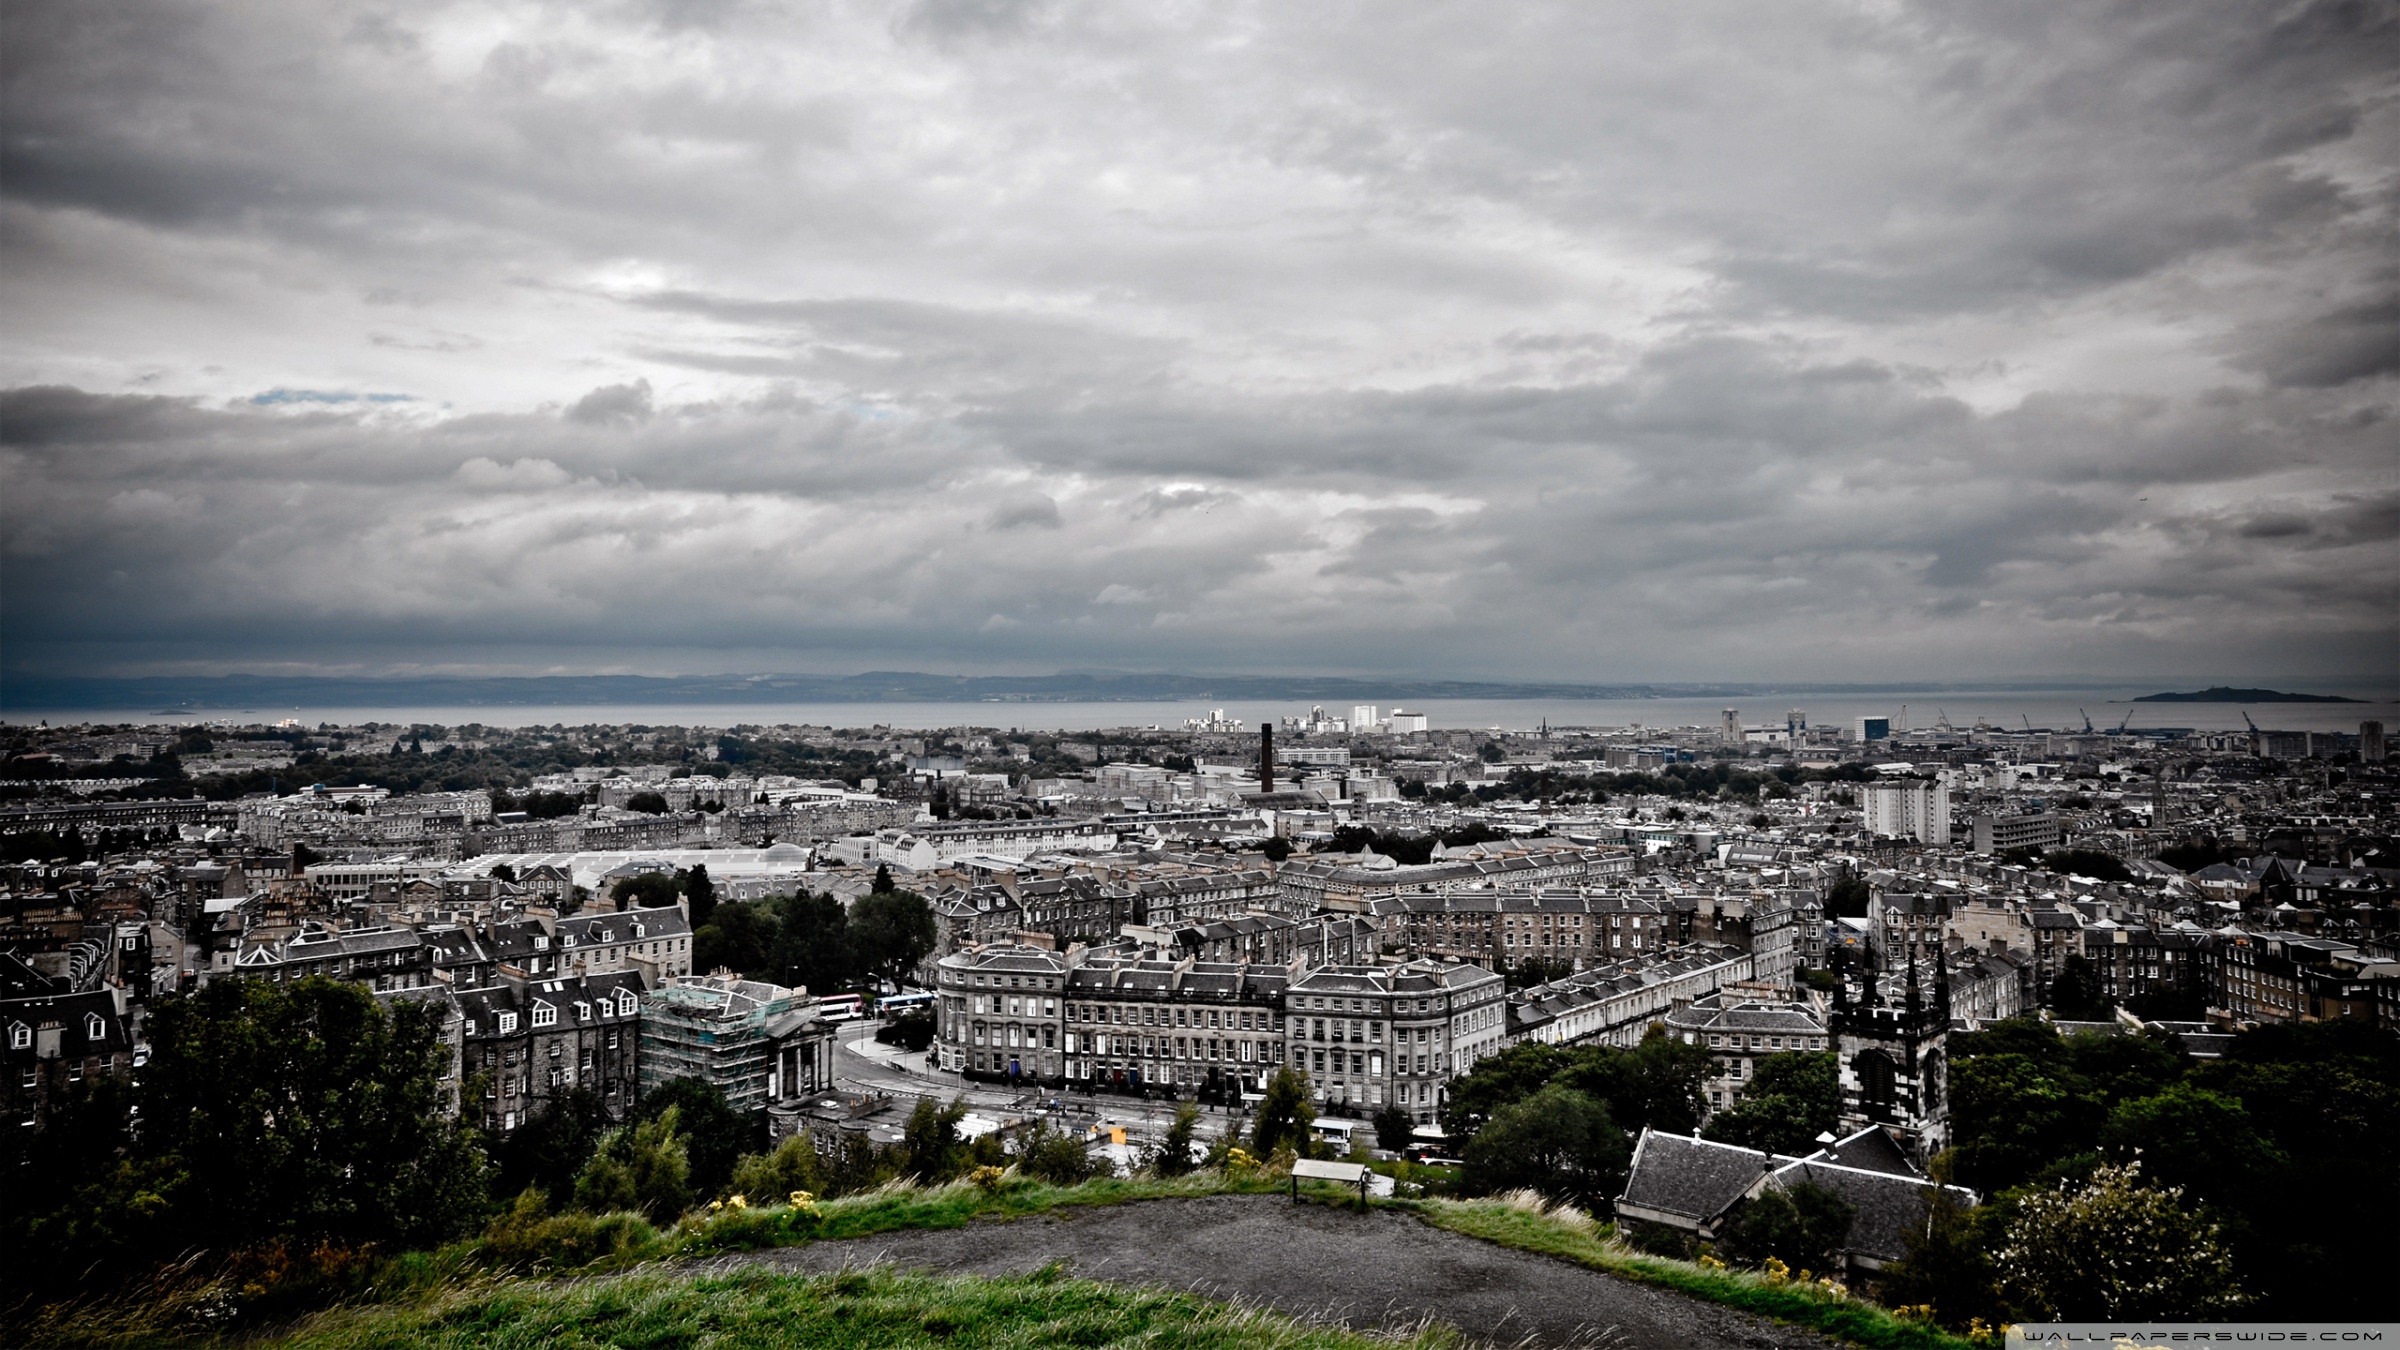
1055 1156
793 1166
2114 1248
529 1237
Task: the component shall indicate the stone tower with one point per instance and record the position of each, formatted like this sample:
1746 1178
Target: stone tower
1894 1058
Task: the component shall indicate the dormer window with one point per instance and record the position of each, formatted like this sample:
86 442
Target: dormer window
94 1029
625 1002
508 1022
583 1011
20 1036
470 1026
545 1015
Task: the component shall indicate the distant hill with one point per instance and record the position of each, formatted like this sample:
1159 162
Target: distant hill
2221 694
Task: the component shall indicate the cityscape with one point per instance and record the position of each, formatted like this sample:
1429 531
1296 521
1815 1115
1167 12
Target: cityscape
1859 976
988 674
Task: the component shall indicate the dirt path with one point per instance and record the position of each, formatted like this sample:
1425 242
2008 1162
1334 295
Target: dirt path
1361 1270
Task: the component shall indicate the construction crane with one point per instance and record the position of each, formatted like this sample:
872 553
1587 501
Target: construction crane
2028 723
1941 720
2246 718
2087 722
2124 724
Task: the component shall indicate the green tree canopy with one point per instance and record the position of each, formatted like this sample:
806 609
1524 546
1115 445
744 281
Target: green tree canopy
2113 1248
700 892
740 937
309 1111
1558 1141
1285 1115
650 890
715 1136
812 944
1792 1098
890 932
642 1167
551 1146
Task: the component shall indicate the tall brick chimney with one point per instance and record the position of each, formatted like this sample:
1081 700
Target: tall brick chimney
1266 756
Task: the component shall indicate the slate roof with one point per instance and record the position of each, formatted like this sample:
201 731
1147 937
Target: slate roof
1889 1207
1869 1150
1694 1179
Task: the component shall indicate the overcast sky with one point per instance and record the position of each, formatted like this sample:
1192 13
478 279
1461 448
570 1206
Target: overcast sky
1581 341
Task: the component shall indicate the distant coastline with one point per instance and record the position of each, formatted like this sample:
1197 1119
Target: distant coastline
2223 694
170 695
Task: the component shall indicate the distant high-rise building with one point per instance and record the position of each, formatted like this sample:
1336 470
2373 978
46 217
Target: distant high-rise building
1733 726
2370 742
1365 717
1874 728
1795 722
1910 808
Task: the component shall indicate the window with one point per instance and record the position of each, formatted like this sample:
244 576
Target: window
545 1015
20 1036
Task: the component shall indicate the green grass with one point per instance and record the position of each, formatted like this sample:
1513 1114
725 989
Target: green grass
1523 1222
902 1205
756 1310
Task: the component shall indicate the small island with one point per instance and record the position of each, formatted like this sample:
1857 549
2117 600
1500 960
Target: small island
2221 694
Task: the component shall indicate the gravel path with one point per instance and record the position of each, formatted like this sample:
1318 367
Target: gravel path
1361 1270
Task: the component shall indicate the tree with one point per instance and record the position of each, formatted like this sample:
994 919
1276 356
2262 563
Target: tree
741 937
2190 1137
1173 1156
2013 1115
1497 1080
640 1167
1395 1128
791 1166
931 1140
700 893
1949 1262
715 1136
1558 1141
1277 848
504 872
551 1146
2115 1248
883 879
308 1111
1285 1115
649 803
649 890
1792 1098
1804 1226
1655 1085
890 932
812 943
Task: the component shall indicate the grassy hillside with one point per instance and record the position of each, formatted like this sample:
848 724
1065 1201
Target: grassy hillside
756 1310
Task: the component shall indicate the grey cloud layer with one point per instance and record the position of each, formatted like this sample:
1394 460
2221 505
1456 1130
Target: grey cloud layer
1614 342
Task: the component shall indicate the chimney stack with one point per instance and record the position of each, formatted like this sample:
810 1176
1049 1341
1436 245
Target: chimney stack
1266 755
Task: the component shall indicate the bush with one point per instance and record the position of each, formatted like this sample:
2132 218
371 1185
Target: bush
1558 1141
793 1166
2114 1248
639 1167
529 1237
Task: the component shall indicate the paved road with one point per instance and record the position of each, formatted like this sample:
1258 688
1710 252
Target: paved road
862 1065
1369 1270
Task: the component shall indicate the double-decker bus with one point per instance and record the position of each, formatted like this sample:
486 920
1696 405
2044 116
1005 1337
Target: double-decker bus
842 1007
899 1005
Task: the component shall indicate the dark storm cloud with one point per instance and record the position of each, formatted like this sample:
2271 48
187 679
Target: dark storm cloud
1616 341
